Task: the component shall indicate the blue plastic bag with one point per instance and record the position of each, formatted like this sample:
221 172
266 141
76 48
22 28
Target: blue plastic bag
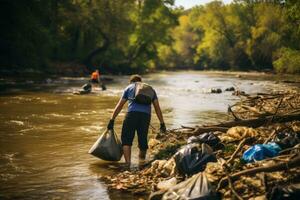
261 151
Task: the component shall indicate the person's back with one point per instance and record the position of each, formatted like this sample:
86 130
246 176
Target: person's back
129 94
137 118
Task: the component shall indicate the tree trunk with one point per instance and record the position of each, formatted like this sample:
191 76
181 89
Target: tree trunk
89 58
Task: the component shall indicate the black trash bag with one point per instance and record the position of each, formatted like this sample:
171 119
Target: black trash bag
87 87
289 192
107 147
192 158
287 139
196 187
208 138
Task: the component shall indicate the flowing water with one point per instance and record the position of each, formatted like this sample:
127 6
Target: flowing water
46 131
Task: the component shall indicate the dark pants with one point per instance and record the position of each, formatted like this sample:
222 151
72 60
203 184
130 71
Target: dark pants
94 80
139 122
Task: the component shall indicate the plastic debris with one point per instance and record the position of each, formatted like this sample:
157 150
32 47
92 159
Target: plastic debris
208 138
192 158
287 139
238 133
167 184
196 187
261 151
107 147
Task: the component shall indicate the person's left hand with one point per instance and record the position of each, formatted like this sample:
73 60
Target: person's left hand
163 128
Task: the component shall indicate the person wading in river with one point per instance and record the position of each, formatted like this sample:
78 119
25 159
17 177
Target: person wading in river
96 79
138 115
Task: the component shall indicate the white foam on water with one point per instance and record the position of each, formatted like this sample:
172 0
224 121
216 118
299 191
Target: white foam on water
49 101
83 113
20 123
91 129
56 115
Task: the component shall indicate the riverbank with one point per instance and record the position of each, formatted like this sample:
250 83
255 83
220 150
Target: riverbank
74 69
256 119
42 122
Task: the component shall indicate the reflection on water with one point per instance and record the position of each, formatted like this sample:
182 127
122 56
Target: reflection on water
45 134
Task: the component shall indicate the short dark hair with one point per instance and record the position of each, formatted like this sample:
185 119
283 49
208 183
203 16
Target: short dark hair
135 78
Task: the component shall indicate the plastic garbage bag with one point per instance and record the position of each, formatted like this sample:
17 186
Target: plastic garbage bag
192 158
196 187
238 133
208 138
167 184
287 139
87 87
288 192
261 151
107 147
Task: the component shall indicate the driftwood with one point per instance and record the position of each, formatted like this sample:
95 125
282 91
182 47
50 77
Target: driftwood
231 186
239 147
279 104
289 149
271 168
261 105
270 137
254 123
232 113
252 109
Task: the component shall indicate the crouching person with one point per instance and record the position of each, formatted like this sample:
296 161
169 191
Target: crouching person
140 96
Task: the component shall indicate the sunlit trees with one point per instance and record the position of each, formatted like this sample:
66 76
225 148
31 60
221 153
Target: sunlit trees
240 36
266 34
136 35
288 61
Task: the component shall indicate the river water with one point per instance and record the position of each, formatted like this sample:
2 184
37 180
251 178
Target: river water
46 131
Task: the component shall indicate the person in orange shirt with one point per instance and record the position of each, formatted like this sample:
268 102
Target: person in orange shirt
95 78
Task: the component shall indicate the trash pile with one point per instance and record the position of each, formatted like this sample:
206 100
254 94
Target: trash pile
256 155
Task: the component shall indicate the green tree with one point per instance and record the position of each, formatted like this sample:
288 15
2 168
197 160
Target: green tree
266 35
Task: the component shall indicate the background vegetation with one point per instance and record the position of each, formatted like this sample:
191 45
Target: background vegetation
125 36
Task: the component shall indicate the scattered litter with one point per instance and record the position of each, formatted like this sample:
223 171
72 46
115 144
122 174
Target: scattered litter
261 151
107 147
208 138
192 158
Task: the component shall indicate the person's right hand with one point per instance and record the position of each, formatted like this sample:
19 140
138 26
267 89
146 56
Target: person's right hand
110 125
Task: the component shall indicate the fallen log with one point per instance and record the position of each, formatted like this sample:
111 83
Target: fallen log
253 123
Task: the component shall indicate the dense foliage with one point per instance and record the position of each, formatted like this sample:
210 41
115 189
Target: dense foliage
244 35
137 35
